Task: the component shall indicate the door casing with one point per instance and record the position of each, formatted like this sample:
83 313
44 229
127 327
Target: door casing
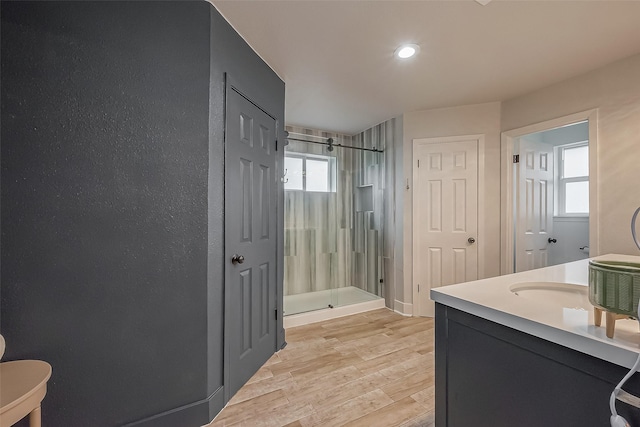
507 195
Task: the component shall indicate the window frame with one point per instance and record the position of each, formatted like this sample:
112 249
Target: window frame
331 171
561 181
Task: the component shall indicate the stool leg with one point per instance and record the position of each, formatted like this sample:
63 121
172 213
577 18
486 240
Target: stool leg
35 418
611 324
597 316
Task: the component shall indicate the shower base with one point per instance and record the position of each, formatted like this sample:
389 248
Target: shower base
314 307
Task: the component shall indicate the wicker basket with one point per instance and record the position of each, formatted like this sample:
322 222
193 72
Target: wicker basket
615 286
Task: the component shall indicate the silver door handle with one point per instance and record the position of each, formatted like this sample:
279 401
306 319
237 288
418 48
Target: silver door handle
237 259
471 240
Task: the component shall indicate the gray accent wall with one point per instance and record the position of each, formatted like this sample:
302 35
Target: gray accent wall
331 239
112 203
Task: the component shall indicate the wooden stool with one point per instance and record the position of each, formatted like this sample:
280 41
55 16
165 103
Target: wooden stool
611 320
23 385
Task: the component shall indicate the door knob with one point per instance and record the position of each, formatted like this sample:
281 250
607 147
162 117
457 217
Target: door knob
237 259
471 240
550 240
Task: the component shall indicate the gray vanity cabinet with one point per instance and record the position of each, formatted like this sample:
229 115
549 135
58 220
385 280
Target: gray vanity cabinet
490 375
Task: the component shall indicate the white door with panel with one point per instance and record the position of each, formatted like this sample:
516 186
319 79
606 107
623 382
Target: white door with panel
533 204
445 216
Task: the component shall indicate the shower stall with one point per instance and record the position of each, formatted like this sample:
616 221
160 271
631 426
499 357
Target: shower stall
334 206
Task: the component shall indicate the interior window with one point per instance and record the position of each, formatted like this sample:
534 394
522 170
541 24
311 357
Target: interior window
576 162
573 180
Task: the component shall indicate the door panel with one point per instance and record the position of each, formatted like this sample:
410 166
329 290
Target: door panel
246 181
244 283
435 263
459 265
265 201
250 232
534 204
445 217
264 300
435 205
460 205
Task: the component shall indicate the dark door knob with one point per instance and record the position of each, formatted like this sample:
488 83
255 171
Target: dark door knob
550 240
237 259
471 240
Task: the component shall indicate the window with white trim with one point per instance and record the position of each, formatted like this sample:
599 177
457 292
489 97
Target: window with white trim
307 172
572 184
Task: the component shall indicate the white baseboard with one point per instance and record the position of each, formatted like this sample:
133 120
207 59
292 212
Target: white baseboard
403 308
331 313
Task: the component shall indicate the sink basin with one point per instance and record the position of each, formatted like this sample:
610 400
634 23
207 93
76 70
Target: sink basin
553 293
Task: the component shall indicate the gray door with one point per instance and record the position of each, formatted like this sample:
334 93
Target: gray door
250 238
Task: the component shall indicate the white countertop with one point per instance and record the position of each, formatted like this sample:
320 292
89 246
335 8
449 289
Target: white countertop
571 327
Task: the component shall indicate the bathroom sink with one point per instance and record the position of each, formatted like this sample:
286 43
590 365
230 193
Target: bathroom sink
553 293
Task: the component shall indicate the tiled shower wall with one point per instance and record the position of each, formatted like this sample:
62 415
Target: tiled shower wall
328 244
374 231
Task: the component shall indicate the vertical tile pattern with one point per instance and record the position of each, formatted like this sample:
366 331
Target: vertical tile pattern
373 231
323 232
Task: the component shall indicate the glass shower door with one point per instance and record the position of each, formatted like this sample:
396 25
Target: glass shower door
310 230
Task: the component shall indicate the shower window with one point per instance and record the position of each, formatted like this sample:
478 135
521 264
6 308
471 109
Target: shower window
294 170
310 173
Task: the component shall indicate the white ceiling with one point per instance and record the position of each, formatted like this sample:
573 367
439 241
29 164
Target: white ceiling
336 57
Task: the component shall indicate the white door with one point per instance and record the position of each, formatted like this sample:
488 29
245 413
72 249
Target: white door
445 217
533 204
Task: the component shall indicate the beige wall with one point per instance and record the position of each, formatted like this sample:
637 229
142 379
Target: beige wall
456 121
614 91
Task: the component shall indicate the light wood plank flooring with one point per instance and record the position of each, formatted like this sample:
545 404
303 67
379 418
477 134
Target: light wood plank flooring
369 369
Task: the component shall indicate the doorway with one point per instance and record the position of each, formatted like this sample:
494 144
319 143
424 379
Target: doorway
447 248
549 199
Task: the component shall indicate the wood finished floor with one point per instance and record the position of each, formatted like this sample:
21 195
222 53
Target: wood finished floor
369 369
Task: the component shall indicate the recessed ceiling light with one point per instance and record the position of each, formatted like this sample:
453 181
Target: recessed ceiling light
407 51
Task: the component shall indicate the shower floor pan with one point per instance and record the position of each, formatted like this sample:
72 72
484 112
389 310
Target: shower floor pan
311 307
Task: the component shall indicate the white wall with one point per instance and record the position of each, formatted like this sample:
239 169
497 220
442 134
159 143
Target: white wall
615 91
398 200
572 233
456 121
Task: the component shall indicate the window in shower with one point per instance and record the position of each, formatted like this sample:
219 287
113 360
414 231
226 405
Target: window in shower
311 173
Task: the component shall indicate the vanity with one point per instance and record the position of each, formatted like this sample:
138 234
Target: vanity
523 350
